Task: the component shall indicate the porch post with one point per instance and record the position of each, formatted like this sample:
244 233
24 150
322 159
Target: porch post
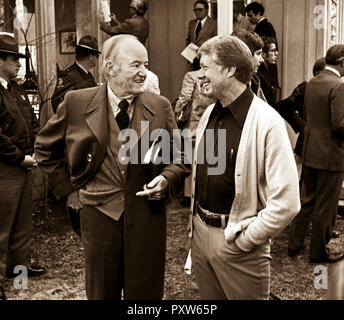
224 17
46 53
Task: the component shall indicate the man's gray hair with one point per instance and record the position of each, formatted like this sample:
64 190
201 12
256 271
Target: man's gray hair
110 50
140 6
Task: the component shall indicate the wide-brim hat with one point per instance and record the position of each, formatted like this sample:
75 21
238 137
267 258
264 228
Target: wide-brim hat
9 45
89 43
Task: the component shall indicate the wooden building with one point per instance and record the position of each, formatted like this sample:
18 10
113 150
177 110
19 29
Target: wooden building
305 29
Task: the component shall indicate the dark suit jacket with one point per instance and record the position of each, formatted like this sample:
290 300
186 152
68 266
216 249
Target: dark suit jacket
208 31
83 132
324 132
265 29
136 25
292 110
72 78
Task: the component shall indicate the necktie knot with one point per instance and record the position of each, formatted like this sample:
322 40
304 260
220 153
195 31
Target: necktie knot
123 105
123 117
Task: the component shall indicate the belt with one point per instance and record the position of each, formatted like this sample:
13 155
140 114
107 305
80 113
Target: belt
213 219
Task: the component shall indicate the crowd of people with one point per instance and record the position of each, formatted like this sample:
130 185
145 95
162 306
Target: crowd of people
117 204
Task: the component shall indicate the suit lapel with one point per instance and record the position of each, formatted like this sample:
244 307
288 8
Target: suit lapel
203 30
97 119
142 112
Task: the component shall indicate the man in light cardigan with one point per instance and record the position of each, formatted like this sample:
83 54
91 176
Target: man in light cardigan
236 213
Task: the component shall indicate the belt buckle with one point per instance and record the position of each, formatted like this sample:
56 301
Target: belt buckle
206 214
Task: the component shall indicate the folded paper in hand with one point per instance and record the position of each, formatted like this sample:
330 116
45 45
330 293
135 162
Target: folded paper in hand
190 52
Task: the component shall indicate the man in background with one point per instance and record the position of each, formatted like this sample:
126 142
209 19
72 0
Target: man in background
322 160
255 13
18 129
200 29
136 24
78 75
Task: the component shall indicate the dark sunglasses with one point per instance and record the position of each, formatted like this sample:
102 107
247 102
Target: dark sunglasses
198 9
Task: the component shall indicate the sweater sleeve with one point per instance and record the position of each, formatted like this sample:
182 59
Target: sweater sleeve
279 185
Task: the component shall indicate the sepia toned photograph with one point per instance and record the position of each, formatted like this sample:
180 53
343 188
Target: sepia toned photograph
163 151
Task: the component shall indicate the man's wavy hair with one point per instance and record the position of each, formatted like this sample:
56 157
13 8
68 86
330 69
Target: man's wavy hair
228 52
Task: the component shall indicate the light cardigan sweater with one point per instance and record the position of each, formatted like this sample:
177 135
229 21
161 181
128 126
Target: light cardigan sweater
266 180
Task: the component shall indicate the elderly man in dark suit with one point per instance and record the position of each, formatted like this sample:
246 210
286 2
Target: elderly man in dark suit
323 160
136 25
123 228
200 29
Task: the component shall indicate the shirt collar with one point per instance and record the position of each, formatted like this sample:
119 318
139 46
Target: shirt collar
240 106
203 21
81 67
261 19
333 70
114 102
4 82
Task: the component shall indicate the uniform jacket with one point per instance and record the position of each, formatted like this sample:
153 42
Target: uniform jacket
83 132
72 78
266 180
136 25
324 132
18 125
208 31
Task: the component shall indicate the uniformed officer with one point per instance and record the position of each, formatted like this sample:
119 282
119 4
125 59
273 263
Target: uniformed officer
78 75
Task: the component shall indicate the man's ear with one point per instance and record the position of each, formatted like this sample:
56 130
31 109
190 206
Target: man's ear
231 71
110 68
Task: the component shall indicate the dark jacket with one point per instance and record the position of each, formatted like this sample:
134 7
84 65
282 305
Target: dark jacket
324 132
72 78
208 31
83 132
136 25
292 110
18 125
267 74
265 29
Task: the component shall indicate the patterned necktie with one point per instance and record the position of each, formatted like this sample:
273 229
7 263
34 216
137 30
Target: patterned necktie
123 117
198 28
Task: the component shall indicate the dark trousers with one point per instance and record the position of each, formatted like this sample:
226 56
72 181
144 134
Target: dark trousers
15 217
102 237
319 199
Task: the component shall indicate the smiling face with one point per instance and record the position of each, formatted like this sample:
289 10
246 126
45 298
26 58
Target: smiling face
9 68
129 70
213 77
